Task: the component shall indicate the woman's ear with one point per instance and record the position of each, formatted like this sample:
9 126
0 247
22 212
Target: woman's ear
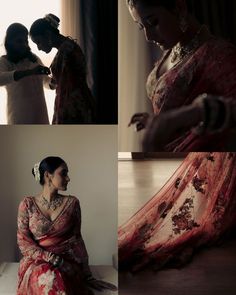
47 177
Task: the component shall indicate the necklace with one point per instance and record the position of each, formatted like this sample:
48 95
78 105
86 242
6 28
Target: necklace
53 205
179 51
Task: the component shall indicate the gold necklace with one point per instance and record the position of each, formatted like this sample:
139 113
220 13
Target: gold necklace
179 51
51 205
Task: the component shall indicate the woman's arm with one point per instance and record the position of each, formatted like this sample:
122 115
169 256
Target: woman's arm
27 244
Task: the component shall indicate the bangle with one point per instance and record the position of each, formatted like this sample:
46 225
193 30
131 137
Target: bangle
58 261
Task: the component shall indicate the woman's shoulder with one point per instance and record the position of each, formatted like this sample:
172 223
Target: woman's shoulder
218 47
71 198
26 202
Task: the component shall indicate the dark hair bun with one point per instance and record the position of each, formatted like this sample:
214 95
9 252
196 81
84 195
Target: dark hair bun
53 20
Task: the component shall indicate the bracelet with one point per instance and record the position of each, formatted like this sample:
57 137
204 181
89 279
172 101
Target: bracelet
58 261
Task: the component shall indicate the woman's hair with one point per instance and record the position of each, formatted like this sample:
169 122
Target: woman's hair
49 164
13 31
49 23
168 4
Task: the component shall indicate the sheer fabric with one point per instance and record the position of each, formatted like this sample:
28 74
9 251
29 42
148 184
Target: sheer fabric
195 207
39 238
210 69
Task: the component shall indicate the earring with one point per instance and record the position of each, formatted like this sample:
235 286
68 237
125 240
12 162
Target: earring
183 25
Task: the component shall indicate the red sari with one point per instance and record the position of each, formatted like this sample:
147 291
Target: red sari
196 207
38 237
74 103
210 69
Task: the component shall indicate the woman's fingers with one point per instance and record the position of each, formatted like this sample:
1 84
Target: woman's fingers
138 117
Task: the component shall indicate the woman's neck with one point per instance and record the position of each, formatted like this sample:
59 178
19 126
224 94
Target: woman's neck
49 194
58 40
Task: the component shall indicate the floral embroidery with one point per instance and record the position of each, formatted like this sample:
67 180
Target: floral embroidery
184 221
177 182
198 184
47 281
163 209
210 157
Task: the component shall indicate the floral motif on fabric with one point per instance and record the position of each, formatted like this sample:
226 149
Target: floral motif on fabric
210 157
183 221
198 184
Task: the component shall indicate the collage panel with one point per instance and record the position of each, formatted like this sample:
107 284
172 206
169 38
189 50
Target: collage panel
177 65
55 66
176 217
58 213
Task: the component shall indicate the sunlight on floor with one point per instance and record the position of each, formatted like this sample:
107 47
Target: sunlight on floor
26 12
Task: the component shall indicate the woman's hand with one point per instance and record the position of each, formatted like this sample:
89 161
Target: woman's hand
162 128
140 119
101 285
40 70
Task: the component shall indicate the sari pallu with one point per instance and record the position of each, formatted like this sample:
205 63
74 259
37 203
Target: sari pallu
196 207
38 238
210 69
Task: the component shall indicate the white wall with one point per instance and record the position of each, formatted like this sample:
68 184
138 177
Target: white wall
91 154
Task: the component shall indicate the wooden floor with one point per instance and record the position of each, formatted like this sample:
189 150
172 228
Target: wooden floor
139 181
211 272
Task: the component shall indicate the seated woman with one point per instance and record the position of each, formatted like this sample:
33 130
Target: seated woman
195 208
23 75
194 63
55 260
74 103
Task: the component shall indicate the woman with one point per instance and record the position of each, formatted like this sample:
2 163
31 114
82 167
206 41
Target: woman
195 208
23 74
193 63
55 260
74 102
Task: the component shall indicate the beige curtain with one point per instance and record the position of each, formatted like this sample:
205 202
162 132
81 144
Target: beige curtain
133 68
70 20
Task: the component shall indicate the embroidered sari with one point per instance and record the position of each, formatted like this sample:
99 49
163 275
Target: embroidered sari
210 69
74 103
195 208
38 237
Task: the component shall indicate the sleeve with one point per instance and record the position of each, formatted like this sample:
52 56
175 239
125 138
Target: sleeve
6 75
26 243
79 249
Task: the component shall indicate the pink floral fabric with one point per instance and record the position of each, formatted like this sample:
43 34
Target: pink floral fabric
74 103
195 207
39 238
210 69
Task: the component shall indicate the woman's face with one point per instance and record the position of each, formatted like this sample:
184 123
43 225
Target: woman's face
43 42
161 26
19 44
59 179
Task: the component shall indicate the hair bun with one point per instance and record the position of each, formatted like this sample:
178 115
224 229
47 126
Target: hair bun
53 20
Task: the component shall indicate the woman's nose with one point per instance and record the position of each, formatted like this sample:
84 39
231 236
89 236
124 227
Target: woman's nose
68 178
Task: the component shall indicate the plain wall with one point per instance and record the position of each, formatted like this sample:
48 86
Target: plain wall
91 155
